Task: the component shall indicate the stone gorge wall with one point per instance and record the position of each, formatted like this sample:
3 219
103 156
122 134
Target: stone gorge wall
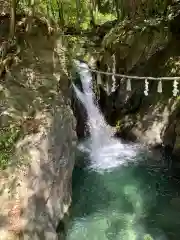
152 119
36 187
141 117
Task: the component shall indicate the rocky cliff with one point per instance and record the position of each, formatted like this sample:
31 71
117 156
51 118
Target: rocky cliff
36 169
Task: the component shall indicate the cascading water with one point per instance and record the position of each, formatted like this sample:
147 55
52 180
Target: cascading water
113 200
105 150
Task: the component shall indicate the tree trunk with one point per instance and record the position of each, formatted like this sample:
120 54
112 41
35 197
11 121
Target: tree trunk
98 2
78 11
48 9
31 15
117 9
13 19
61 14
51 9
91 7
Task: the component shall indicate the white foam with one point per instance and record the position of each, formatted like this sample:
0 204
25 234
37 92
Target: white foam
105 151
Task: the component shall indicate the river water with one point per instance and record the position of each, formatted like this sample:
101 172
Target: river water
116 196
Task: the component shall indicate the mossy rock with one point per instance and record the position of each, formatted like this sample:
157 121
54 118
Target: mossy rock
8 138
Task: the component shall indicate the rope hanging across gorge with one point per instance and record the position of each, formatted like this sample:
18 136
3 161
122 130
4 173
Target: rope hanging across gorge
146 81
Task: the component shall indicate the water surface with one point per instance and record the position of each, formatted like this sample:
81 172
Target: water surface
128 203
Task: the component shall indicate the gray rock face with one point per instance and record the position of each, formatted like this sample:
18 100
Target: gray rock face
48 181
36 189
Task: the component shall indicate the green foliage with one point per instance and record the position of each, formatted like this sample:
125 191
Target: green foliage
148 237
138 40
8 138
126 31
70 12
80 13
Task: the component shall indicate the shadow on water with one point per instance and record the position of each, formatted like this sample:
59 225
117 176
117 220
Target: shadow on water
138 196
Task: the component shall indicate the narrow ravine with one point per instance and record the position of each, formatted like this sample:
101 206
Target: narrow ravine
116 195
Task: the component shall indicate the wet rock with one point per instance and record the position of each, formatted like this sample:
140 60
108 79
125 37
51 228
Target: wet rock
78 108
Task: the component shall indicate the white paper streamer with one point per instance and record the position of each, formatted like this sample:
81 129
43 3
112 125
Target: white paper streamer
113 84
175 88
108 87
146 87
113 76
128 86
98 78
159 88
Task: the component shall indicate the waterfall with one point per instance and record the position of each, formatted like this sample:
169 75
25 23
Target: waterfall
113 201
106 152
